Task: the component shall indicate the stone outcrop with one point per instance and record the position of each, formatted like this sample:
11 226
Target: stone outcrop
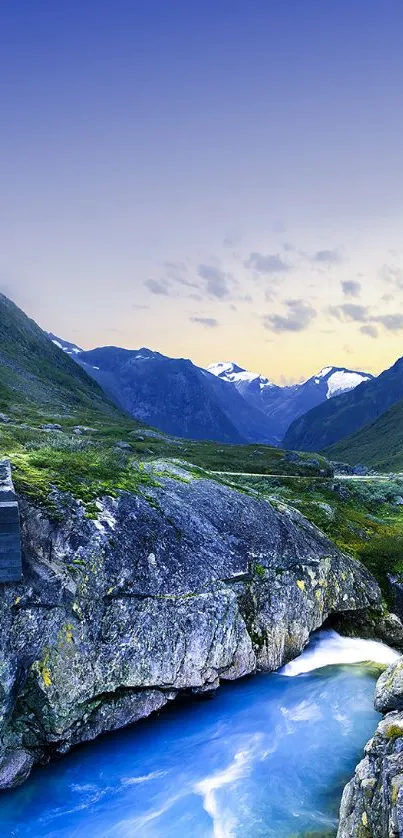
160 593
372 803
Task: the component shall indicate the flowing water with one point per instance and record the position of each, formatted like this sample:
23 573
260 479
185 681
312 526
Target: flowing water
267 758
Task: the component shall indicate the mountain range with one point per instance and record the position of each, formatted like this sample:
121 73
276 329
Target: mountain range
224 402
282 405
348 415
174 395
57 423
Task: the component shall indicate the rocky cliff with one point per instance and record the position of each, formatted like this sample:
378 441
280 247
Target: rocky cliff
372 804
126 605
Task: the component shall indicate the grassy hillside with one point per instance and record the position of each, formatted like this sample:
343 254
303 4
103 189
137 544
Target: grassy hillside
38 380
109 456
379 445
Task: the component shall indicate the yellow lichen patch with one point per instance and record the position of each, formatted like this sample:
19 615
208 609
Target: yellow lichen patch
301 584
42 667
318 594
17 600
46 677
68 632
364 818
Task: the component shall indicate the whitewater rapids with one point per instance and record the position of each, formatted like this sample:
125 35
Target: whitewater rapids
328 648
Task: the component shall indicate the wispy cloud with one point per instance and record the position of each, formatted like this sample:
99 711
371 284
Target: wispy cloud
391 322
327 257
351 288
175 269
391 274
369 330
206 281
207 322
298 317
157 286
231 239
178 273
350 311
270 263
217 282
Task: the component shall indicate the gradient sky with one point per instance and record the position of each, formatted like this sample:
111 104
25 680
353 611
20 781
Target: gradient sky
214 179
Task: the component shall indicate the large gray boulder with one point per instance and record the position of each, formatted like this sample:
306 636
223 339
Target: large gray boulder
163 592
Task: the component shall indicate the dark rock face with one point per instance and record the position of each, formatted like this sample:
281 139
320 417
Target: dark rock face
164 592
372 803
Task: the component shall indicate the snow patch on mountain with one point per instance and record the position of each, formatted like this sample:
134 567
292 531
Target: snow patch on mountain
230 371
337 379
343 380
68 348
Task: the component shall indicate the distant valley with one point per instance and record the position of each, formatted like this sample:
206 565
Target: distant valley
224 403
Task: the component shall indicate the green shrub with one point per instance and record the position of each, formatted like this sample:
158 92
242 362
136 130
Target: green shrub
383 555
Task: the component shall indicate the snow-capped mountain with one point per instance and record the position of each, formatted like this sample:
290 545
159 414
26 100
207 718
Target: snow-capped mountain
285 404
338 380
230 371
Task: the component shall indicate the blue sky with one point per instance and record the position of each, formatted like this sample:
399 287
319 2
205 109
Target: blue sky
220 180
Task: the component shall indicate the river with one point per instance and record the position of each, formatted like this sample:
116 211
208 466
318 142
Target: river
266 758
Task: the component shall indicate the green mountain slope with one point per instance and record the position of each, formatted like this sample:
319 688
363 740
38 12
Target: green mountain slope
379 445
37 377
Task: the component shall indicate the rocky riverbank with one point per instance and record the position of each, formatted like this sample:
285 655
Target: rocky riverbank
152 595
372 804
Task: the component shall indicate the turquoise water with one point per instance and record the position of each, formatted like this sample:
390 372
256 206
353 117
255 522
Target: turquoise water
266 758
